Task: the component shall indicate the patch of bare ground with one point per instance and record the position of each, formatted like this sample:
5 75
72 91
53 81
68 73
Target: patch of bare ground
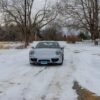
9 45
84 94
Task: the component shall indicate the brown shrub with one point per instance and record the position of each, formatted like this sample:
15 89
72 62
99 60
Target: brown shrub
72 38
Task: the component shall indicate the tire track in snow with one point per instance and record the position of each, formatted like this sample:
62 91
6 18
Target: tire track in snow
59 82
39 81
9 84
39 72
26 88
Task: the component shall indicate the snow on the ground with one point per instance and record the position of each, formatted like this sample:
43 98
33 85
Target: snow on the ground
87 61
21 81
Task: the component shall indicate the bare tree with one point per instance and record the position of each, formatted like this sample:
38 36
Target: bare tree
83 14
20 12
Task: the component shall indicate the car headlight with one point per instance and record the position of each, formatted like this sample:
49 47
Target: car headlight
31 52
58 52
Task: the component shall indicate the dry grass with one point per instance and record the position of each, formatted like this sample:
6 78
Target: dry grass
6 42
84 94
8 45
3 45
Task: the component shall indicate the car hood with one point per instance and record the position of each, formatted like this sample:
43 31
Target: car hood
45 52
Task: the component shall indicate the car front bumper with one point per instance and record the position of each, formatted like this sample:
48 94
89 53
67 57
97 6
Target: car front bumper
52 60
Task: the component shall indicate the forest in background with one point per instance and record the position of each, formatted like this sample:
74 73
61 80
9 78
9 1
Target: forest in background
21 24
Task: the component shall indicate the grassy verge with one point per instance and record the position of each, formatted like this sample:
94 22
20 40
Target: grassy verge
84 94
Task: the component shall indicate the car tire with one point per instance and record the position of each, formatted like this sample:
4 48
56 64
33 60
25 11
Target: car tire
31 63
62 61
63 57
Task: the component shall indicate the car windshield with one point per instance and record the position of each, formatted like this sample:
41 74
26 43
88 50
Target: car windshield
48 45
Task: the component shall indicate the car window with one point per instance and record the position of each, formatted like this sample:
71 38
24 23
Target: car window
48 45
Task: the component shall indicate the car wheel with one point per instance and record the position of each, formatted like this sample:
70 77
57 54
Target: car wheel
62 61
63 57
31 63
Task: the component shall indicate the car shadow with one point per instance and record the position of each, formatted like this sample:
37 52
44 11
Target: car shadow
48 65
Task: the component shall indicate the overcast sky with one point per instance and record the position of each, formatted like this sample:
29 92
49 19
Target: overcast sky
38 4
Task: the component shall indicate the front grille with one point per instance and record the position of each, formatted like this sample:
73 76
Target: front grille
54 59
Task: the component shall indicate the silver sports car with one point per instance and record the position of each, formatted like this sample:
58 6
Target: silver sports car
47 52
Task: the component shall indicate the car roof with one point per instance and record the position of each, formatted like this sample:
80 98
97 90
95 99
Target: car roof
49 41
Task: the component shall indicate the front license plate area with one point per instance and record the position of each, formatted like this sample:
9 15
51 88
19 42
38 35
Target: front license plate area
43 62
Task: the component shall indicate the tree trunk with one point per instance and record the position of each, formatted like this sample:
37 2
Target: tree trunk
96 19
26 41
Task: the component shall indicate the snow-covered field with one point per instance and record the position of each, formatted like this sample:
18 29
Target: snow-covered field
21 81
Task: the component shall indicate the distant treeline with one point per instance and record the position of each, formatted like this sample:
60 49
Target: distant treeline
10 33
13 33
